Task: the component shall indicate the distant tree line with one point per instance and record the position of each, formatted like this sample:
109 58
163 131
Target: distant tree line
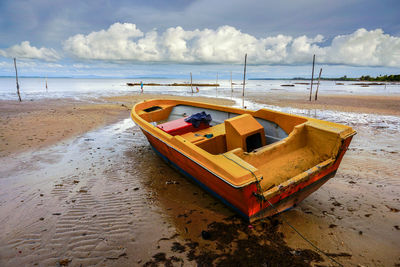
388 78
384 78
345 78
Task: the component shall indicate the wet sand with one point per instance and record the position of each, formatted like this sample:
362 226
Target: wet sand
37 124
98 195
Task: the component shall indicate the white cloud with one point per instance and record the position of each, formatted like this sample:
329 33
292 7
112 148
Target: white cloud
26 51
112 44
226 44
365 48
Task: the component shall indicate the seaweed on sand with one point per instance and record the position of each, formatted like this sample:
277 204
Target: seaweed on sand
233 242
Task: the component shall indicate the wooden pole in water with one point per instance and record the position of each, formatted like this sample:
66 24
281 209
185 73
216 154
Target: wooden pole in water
312 76
216 83
319 79
244 73
16 77
46 85
191 82
231 82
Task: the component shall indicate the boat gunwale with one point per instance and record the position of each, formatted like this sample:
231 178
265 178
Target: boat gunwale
143 124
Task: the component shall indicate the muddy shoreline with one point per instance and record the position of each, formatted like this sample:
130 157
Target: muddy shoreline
98 195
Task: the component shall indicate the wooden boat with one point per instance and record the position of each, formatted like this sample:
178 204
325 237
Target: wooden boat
259 163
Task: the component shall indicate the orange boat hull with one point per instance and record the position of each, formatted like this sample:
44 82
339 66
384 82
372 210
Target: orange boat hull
242 200
259 163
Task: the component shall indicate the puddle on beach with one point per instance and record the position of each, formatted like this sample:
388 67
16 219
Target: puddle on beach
105 198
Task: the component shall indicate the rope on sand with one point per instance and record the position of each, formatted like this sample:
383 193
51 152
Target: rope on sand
305 238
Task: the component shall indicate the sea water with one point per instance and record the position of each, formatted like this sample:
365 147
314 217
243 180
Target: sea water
35 88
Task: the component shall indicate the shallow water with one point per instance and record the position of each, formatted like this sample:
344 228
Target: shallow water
35 88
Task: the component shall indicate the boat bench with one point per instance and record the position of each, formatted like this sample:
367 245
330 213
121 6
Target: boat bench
180 127
241 131
210 139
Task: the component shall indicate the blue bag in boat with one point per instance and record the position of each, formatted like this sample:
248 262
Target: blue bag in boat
197 118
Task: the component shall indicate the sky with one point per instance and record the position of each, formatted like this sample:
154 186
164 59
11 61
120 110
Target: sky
155 38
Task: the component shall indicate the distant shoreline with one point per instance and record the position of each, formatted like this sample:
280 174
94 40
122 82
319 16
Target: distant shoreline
361 79
176 84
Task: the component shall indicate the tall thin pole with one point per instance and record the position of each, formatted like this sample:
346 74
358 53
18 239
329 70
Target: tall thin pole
319 78
244 73
216 83
46 85
312 76
191 82
231 82
16 77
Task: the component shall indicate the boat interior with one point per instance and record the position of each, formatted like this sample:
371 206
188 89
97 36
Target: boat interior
279 146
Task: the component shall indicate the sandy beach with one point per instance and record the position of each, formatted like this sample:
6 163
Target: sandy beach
80 186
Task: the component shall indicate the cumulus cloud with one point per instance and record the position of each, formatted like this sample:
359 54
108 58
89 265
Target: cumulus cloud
226 44
365 48
25 50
